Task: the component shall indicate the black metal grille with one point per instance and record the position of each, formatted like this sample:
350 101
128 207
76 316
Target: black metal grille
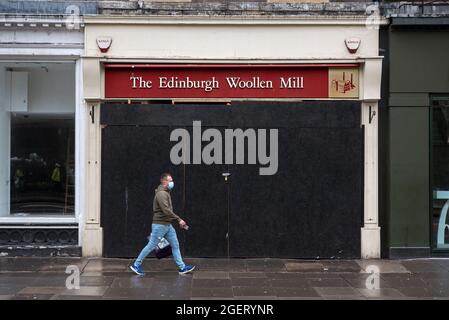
38 236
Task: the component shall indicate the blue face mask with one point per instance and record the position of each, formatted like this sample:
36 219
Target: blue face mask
171 185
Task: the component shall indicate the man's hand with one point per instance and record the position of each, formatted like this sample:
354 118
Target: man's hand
182 223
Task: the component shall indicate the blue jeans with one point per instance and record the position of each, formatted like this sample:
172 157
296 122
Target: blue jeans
159 231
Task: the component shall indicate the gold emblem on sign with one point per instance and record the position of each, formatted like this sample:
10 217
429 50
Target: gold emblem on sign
343 83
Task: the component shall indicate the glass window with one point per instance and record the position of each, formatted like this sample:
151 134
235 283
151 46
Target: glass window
37 140
440 172
42 165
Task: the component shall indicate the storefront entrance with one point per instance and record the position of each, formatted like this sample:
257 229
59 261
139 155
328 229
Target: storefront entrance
297 192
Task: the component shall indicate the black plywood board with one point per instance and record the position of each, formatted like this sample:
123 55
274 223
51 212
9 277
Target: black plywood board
312 206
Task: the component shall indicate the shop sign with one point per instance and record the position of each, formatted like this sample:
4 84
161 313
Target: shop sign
232 81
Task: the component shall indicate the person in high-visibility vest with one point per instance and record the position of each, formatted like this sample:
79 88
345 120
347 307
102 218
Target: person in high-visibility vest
18 179
56 176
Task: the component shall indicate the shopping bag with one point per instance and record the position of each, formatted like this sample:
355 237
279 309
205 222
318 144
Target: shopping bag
163 249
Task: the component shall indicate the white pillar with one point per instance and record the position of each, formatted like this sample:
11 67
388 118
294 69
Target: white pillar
370 237
93 233
370 92
5 143
80 151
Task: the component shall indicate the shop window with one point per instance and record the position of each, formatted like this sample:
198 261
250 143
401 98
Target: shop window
37 140
440 173
42 166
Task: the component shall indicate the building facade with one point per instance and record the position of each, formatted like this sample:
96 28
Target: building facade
41 138
414 128
136 73
341 148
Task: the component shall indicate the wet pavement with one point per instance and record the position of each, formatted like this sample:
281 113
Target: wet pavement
253 279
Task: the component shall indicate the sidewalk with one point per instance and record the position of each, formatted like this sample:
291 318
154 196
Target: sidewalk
45 278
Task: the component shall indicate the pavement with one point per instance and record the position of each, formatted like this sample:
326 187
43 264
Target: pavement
249 279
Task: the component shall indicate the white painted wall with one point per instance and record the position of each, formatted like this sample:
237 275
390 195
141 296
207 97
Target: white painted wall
32 44
49 37
4 146
52 91
274 40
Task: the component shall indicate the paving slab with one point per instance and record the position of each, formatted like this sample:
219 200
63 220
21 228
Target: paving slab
217 279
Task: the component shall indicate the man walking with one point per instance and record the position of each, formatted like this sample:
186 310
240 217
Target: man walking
163 216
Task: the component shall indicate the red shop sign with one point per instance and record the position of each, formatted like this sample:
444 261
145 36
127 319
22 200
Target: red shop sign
231 81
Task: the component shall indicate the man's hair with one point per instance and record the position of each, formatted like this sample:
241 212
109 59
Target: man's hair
165 176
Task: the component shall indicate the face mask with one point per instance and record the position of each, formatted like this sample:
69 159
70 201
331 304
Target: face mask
171 185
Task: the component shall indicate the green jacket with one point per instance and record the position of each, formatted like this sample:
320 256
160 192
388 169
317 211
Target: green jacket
163 208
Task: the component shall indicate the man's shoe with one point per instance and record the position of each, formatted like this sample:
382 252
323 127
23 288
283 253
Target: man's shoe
186 269
137 269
